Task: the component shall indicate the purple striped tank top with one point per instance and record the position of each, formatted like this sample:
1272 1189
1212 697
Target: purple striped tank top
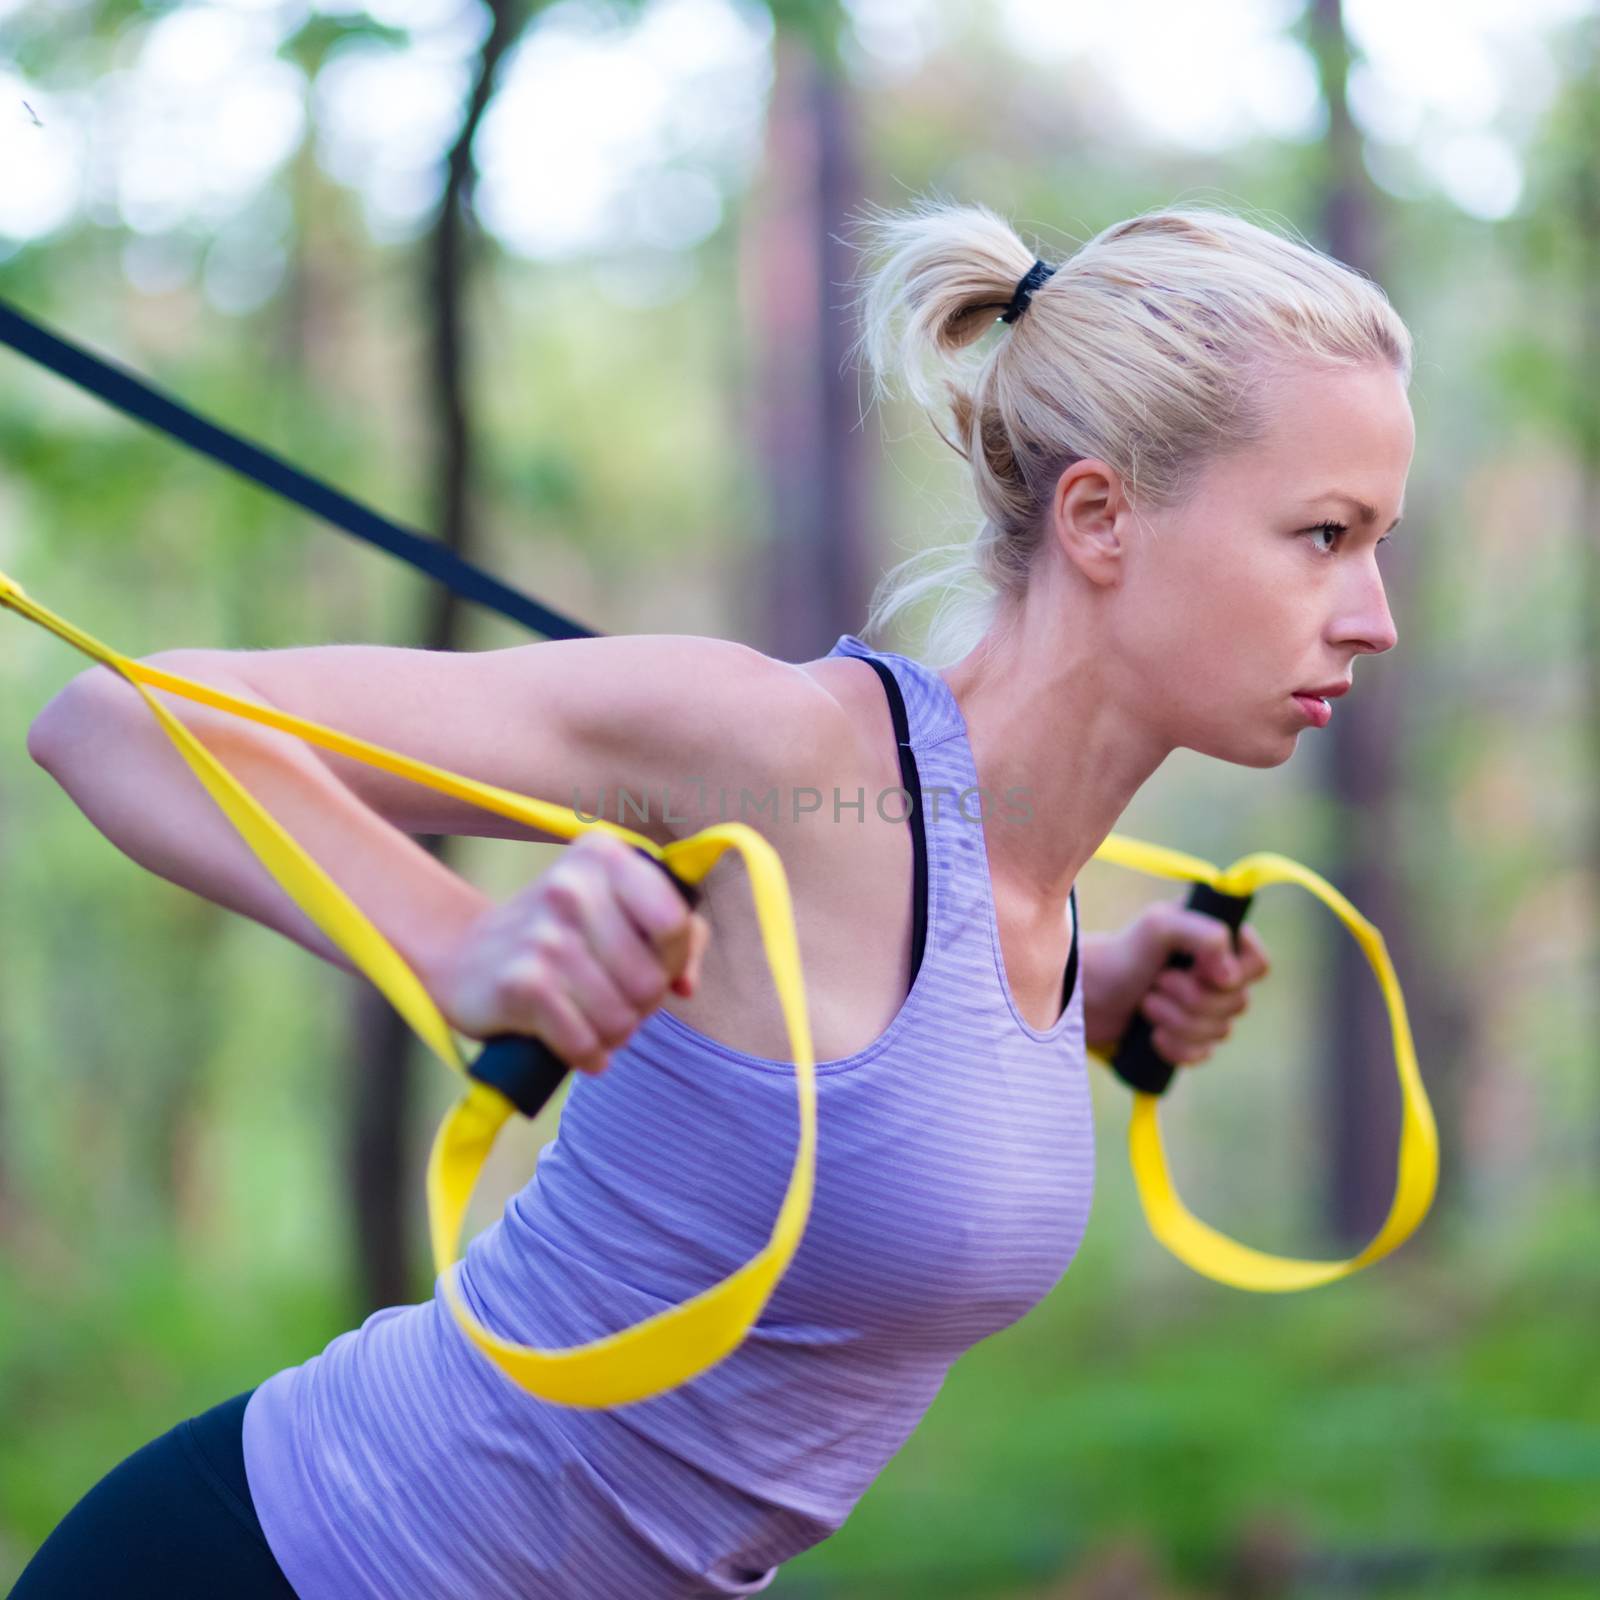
955 1170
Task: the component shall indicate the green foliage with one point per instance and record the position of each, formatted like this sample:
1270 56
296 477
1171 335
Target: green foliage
172 1209
1436 1402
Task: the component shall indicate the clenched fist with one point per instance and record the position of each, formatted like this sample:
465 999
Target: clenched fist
1190 1011
580 957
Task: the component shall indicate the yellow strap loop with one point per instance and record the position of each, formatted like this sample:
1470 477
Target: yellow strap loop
675 1345
1202 1247
653 1355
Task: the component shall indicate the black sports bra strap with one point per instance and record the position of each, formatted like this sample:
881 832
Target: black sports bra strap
912 784
1072 957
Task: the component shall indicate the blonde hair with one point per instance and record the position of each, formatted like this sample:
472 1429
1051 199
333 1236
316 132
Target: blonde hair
1145 349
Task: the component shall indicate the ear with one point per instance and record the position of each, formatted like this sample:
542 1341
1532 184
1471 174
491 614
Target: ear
1087 519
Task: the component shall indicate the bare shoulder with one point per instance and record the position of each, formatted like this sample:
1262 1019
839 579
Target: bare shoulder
772 730
821 731
765 724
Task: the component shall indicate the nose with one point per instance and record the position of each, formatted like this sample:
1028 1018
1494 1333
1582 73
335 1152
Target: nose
1371 626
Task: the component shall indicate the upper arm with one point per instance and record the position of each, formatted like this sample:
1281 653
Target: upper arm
666 717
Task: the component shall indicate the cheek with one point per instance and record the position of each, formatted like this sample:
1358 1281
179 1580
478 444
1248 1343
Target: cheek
1267 598
1210 610
1233 631
1207 631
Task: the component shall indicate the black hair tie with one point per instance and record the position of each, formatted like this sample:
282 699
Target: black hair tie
1023 293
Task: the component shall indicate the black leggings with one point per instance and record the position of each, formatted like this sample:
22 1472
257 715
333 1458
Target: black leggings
172 1521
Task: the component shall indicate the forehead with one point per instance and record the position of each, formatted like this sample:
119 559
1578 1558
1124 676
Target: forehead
1327 429
1337 424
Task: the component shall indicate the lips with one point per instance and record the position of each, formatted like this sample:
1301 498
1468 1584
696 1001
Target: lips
1330 691
1314 708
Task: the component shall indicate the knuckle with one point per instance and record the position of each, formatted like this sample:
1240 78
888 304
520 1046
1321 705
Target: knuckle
643 983
664 918
572 1033
591 1058
523 985
550 941
665 909
608 856
1183 989
562 893
616 1029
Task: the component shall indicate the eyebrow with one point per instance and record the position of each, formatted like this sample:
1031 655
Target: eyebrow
1369 514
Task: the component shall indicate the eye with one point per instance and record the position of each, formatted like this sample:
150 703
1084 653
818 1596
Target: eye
1337 530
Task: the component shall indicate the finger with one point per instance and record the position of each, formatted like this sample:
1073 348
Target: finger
602 879
1253 953
1226 968
577 896
585 981
1189 1029
533 999
1180 1052
1206 940
1198 997
688 980
638 894
651 900
637 968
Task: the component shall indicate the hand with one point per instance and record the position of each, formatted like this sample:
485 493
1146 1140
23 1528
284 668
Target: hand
1190 1010
580 957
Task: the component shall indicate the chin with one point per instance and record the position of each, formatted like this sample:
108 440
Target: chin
1261 755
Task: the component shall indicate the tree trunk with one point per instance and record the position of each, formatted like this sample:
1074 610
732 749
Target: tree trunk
1586 229
383 1056
808 430
1360 1094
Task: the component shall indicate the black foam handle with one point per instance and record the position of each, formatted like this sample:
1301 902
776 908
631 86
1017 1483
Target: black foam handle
1137 1061
524 1068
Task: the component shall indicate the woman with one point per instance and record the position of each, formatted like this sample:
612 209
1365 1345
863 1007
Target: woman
1188 442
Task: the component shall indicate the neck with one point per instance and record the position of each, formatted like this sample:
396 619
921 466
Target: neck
1048 714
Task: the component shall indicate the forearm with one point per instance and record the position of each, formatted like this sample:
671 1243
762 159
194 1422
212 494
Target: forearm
106 748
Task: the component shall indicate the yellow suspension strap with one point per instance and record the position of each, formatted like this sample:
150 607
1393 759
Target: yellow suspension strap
662 1351
512 1074
1226 895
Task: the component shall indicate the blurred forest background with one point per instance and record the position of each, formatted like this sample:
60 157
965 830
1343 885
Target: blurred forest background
565 286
